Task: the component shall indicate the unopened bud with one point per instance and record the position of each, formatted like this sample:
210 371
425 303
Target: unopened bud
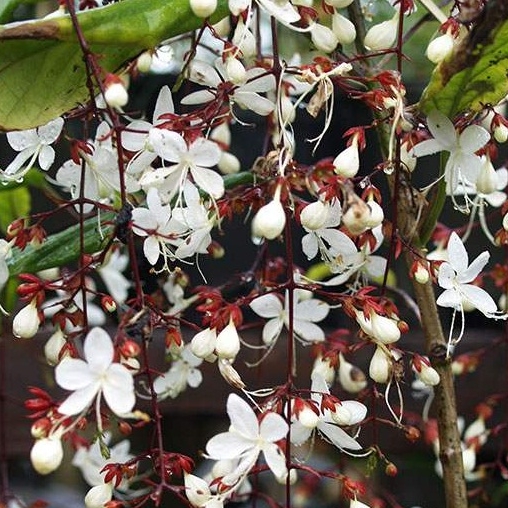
108 303
505 222
440 48
40 428
487 178
323 367
351 378
377 214
314 215
144 62
54 346
380 366
99 495
235 71
46 455
343 28
356 217
347 163
115 93
308 418
270 219
391 469
26 322
203 343
382 35
228 342
421 274
238 6
384 329
228 163
323 38
428 375
500 133
203 8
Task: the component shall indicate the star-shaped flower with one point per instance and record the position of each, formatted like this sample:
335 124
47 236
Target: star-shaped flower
462 164
96 376
247 438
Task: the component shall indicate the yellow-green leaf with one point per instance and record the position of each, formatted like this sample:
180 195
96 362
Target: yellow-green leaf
14 203
42 73
476 74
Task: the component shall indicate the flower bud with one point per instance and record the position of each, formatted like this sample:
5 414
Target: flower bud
235 71
53 347
228 163
238 6
487 178
440 48
99 495
377 214
384 329
270 219
356 217
380 366
40 428
308 418
115 93
351 378
323 38
323 367
221 134
342 415
26 322
357 504
314 215
343 29
428 375
203 343
228 342
144 62
382 35
500 133
476 433
505 222
469 459
347 163
46 454
203 8
421 274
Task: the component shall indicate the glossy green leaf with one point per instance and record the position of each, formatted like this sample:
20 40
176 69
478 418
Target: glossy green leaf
62 248
14 203
474 76
42 73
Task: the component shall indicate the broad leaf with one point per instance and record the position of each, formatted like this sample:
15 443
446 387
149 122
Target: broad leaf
14 203
42 73
476 73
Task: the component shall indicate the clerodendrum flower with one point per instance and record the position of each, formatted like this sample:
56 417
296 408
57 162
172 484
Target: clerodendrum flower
95 376
247 438
462 164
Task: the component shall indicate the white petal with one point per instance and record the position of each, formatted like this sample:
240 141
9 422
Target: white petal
49 133
227 446
457 254
442 129
310 245
312 310
135 141
204 74
299 433
243 418
273 427
473 138
275 459
446 276
338 437
208 180
168 145
194 378
283 11
118 389
46 157
204 152
73 374
254 102
79 400
164 104
267 306
21 140
427 147
199 97
271 330
308 332
474 269
357 410
479 298
450 298
98 350
151 249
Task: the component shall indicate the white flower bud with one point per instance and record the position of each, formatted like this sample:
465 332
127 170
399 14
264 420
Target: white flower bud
351 378
384 329
476 433
26 322
440 48
235 71
322 367
46 454
501 133
376 214
308 418
203 343
382 35
116 95
53 347
358 504
293 477
487 178
99 495
428 375
270 219
505 222
228 342
469 459
421 274
356 216
339 4
228 163
314 215
342 415
380 366
323 38
237 6
343 29
144 62
347 163
203 8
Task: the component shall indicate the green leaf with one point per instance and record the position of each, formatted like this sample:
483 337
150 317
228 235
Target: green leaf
7 7
63 248
476 73
14 203
42 73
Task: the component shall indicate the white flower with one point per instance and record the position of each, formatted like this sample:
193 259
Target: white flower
32 144
46 454
314 215
382 35
196 159
95 376
198 493
306 313
455 276
183 372
246 95
227 344
462 165
247 438
111 273
90 461
325 423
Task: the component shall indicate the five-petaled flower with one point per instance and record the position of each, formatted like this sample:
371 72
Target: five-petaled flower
96 376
